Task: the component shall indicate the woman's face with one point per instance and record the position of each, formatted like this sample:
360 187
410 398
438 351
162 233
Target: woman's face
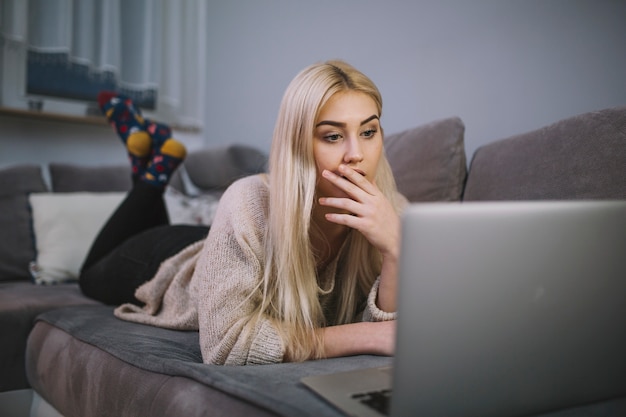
347 131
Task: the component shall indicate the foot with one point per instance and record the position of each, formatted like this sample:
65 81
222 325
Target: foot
167 154
129 125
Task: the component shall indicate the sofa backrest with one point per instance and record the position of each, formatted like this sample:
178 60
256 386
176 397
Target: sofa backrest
428 162
581 157
17 248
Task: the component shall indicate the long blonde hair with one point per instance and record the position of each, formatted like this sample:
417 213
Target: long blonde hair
290 287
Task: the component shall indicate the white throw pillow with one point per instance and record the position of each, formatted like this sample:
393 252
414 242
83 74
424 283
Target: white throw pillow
65 225
184 209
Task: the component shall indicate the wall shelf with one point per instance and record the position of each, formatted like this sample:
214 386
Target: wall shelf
66 118
57 117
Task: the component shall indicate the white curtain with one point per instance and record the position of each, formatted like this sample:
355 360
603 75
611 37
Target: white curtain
146 45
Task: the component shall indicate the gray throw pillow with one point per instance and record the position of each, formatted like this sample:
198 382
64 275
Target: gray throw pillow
428 161
214 169
69 178
581 157
17 248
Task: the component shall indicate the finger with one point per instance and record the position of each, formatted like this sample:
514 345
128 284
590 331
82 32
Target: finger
357 177
344 219
342 183
345 204
352 186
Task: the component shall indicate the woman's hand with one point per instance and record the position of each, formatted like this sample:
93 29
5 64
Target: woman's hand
367 210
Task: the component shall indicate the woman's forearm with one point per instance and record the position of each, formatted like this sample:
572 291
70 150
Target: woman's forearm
375 338
387 289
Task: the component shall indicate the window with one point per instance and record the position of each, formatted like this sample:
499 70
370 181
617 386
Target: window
56 55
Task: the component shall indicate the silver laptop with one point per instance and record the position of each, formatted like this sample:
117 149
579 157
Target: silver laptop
505 309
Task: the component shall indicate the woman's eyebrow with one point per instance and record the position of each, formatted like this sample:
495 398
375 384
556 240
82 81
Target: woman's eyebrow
369 119
342 124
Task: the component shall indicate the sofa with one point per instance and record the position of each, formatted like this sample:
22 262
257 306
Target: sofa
79 360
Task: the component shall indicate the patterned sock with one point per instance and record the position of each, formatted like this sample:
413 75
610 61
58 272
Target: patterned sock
167 154
129 125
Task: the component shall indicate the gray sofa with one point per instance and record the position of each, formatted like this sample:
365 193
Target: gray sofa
83 361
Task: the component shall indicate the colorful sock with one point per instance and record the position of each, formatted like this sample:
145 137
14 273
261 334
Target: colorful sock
167 154
129 124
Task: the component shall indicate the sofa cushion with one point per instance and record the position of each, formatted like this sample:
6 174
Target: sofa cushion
67 178
16 243
137 392
582 157
64 226
59 368
428 161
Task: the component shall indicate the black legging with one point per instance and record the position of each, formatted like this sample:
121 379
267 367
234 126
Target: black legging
132 244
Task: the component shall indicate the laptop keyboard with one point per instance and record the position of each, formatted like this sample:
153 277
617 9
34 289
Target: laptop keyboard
378 400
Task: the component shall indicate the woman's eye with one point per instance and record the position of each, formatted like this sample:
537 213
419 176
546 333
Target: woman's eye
369 133
332 137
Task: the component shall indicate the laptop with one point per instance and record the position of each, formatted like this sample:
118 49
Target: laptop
505 309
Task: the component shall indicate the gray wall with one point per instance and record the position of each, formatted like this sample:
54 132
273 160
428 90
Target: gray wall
503 66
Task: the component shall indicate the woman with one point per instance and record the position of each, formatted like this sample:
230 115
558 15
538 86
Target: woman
300 263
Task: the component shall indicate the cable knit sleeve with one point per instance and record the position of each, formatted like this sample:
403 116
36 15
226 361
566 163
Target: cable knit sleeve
228 277
372 312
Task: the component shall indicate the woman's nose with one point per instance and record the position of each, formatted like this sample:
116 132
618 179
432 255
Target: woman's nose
353 153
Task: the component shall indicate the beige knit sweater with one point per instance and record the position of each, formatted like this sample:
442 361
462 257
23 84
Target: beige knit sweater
211 285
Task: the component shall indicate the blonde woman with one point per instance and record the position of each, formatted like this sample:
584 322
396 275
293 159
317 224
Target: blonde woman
300 263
